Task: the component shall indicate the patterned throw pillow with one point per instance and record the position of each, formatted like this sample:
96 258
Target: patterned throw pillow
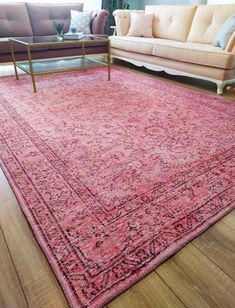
225 32
81 21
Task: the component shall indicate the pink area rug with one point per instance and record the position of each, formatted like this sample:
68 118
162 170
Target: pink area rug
114 177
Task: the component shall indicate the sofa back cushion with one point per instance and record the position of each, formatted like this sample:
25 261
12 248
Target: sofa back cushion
14 20
43 15
171 22
208 20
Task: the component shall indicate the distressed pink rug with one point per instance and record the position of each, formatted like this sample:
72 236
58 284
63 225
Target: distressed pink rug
115 177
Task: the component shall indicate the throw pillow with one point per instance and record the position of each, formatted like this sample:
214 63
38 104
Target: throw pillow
225 32
141 25
81 21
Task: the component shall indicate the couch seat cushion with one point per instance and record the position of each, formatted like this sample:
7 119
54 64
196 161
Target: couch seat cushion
5 47
136 44
196 53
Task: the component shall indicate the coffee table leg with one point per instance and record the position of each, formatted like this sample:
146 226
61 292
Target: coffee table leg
13 59
83 55
109 62
83 50
31 69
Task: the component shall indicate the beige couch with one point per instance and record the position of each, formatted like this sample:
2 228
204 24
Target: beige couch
182 42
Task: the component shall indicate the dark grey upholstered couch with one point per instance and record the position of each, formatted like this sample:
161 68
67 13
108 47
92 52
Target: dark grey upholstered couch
35 19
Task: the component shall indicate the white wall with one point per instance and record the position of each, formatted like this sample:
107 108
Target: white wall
140 4
90 4
147 2
221 2
136 4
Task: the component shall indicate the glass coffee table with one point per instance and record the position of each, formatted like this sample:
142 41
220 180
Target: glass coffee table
64 64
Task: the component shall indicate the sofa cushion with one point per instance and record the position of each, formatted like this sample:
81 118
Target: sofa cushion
136 44
123 20
208 20
81 21
5 47
141 25
14 20
196 53
171 22
225 32
42 16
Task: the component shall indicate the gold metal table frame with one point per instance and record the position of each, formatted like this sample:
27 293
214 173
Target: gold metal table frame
63 64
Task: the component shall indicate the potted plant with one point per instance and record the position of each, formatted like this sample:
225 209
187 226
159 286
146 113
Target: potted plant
59 29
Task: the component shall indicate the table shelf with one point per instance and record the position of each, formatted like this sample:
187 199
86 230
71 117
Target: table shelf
60 65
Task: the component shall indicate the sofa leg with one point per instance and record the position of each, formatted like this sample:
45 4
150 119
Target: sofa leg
220 87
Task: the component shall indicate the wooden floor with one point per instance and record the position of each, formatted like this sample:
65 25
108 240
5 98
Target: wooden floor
200 275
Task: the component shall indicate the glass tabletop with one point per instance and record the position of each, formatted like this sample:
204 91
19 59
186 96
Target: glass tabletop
52 40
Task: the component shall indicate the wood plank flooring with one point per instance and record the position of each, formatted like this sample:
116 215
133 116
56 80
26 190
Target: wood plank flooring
202 274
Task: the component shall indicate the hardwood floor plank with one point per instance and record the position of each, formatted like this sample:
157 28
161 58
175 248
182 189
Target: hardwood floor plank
230 220
218 243
11 293
197 281
151 291
8 70
37 279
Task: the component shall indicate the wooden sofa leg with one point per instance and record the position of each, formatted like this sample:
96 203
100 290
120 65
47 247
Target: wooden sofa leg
220 87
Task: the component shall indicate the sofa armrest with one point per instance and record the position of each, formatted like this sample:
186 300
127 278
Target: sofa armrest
98 21
122 19
231 44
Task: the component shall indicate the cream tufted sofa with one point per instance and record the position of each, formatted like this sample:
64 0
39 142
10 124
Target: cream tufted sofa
181 43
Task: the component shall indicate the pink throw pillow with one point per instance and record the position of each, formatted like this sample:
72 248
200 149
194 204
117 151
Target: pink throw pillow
141 25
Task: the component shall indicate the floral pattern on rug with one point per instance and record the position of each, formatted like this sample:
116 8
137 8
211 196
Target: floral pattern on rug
114 177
